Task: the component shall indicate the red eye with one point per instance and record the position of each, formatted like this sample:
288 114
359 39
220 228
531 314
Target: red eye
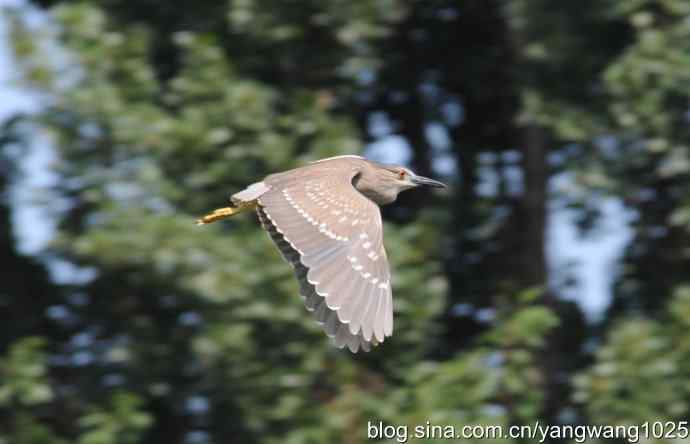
401 174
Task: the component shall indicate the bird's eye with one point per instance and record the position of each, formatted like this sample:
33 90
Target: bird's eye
401 174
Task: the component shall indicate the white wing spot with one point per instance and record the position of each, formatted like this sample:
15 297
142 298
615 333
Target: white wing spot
383 285
366 245
363 236
355 222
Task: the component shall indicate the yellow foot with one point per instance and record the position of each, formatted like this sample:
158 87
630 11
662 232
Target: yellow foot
223 213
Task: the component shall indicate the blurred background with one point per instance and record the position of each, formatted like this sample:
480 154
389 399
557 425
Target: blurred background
549 282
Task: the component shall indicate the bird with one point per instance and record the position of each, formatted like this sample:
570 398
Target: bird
324 217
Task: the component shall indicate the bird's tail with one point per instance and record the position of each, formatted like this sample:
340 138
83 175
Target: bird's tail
225 212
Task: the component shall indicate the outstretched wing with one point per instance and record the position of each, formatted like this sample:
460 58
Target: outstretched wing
332 235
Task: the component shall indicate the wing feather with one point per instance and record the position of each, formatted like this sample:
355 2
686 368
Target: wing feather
312 301
321 312
332 324
380 317
388 315
358 302
359 310
369 317
342 336
335 287
332 235
353 343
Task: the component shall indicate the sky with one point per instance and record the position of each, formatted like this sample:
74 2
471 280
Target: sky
34 230
594 259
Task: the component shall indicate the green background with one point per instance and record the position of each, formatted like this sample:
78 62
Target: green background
157 111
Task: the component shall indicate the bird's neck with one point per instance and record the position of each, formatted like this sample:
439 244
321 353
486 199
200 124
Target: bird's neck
367 185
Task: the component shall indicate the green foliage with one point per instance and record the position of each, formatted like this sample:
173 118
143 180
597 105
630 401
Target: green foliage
184 334
122 422
641 353
498 381
211 312
23 374
27 395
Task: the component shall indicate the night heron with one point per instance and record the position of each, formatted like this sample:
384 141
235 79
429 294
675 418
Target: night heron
324 218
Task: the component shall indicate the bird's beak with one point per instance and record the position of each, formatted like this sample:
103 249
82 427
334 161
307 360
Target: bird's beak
426 182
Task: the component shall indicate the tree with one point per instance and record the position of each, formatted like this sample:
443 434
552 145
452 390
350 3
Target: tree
639 152
159 112
160 122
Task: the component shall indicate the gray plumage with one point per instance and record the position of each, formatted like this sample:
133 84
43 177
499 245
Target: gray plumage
325 220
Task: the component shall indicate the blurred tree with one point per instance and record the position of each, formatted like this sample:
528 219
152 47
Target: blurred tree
26 296
639 151
648 90
480 82
157 115
159 111
26 291
641 352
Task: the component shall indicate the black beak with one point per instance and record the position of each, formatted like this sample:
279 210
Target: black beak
426 182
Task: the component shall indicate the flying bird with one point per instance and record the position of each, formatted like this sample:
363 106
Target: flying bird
325 220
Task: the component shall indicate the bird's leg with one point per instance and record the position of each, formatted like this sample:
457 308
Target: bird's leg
225 212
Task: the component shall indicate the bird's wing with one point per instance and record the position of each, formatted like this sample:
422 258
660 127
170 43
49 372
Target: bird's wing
333 236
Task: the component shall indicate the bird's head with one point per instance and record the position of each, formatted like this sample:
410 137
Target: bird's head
382 182
403 178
